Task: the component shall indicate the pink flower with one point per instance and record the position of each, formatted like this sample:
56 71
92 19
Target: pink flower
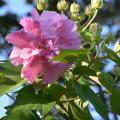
39 41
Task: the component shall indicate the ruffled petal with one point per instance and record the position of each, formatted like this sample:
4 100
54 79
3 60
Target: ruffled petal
20 39
68 37
52 19
35 15
52 71
64 30
31 70
30 25
15 56
68 43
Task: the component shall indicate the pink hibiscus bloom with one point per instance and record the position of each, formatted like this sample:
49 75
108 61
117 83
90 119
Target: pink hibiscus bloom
39 41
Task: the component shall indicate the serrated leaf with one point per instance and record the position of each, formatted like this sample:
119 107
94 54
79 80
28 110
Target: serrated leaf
79 114
70 55
113 56
55 91
84 70
115 102
107 81
9 78
22 115
85 93
28 100
4 89
9 69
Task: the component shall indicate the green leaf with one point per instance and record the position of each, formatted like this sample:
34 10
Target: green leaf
55 91
4 89
98 65
79 114
115 102
49 118
70 55
84 70
28 100
113 56
86 36
22 115
9 69
107 81
9 78
85 93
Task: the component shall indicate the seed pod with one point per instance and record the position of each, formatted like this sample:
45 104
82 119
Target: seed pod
89 10
74 8
97 4
41 4
62 5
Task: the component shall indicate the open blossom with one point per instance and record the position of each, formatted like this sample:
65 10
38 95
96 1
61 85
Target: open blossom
42 38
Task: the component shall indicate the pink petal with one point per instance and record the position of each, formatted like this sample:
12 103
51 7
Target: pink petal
35 15
30 25
63 30
15 56
20 38
53 71
31 70
50 18
68 43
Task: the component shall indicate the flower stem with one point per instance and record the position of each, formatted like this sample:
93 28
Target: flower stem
90 21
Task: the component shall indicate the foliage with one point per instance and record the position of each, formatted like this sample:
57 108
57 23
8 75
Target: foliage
69 97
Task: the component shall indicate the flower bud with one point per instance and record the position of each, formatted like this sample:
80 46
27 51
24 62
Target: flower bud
95 30
117 70
94 27
89 11
74 16
41 4
81 16
117 47
62 5
74 8
97 4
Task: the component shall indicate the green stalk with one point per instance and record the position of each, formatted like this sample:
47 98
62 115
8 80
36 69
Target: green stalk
90 21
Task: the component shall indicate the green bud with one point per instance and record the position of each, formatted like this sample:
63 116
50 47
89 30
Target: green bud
95 31
41 4
81 16
117 70
62 5
89 10
74 16
74 8
97 4
117 47
94 27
